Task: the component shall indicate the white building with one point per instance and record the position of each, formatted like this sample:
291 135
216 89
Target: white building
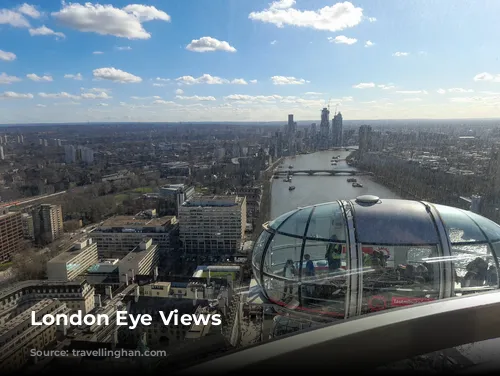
75 261
177 194
212 224
2 155
142 260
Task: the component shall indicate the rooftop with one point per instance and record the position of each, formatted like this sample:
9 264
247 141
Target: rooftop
72 252
214 201
132 221
39 283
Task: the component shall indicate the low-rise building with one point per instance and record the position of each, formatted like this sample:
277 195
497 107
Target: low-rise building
142 260
117 236
75 261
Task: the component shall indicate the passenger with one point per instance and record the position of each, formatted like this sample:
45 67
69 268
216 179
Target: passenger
310 271
477 271
492 276
334 254
289 272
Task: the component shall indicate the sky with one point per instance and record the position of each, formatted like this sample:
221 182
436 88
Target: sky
247 60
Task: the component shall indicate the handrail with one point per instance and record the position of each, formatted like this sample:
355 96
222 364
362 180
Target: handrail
371 340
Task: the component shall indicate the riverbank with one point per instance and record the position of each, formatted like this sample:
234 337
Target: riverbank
265 203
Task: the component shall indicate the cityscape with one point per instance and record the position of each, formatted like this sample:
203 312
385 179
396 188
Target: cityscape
248 186
167 217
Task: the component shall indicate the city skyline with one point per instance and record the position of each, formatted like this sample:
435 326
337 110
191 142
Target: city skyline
155 62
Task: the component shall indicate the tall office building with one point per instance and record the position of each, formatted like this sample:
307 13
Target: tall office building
337 131
290 131
365 133
324 128
2 155
69 153
212 224
48 222
11 234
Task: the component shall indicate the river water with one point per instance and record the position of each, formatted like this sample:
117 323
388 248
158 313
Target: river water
316 189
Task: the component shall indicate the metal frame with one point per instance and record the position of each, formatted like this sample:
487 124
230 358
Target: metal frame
371 340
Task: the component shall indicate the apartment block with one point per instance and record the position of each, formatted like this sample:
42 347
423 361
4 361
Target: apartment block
11 235
75 261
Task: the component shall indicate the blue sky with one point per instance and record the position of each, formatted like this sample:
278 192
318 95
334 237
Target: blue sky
195 60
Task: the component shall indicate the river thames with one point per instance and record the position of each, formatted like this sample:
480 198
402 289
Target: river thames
311 190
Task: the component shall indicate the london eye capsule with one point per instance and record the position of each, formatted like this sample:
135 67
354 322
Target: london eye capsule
351 257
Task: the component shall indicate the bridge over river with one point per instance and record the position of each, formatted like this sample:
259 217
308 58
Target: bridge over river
322 172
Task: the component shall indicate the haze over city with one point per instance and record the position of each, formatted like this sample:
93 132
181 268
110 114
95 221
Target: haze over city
247 61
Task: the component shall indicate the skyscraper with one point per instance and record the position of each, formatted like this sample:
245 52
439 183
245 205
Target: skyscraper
69 153
324 128
365 132
337 131
2 155
48 222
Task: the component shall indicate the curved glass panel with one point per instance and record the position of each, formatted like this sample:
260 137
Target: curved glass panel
459 226
490 228
396 276
257 252
327 222
278 221
474 268
297 223
282 254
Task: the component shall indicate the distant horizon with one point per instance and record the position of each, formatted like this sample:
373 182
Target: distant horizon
273 122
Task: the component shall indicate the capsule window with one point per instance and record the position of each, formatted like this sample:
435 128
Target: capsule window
396 276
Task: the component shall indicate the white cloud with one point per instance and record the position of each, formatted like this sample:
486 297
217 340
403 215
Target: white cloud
412 92
41 105
386 87
164 102
108 20
487 77
7 80
97 52
239 81
274 42
337 17
282 80
209 44
115 75
195 98
29 10
253 81
14 19
372 19
441 91
252 98
422 52
103 104
313 93
204 79
400 54
101 95
13 95
7 56
36 78
364 85
163 79
342 39
460 90
44 30
77 77
125 48
179 92
158 85
369 43
65 95
145 98
412 99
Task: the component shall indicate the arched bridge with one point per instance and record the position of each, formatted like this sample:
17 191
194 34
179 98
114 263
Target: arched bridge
322 172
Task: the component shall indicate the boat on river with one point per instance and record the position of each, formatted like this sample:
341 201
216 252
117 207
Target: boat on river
357 185
291 188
